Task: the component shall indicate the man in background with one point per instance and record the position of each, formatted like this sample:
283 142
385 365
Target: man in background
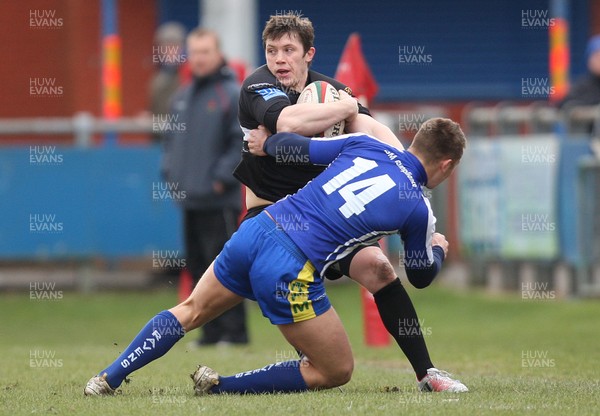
168 56
201 151
585 92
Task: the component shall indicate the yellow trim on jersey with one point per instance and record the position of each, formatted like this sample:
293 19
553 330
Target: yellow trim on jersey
300 305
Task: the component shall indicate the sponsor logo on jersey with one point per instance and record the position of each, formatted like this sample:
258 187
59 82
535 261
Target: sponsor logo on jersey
268 93
391 155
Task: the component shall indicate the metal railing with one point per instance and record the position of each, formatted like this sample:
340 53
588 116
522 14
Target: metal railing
508 118
82 126
588 273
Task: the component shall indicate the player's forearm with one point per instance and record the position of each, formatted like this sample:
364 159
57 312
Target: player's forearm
420 275
288 147
309 119
297 149
365 124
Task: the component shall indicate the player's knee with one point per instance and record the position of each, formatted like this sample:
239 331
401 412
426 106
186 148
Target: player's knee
374 271
341 375
382 269
345 374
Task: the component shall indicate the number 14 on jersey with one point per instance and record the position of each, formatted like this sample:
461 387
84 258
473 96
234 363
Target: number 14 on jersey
360 193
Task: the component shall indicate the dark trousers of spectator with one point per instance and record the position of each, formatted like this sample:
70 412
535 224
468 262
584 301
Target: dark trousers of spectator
206 232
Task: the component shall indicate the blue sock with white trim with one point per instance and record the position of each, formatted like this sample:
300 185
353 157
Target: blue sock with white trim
152 342
283 377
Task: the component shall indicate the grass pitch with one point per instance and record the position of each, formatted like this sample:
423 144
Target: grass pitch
516 356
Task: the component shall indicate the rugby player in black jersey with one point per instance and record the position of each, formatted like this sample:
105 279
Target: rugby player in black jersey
268 105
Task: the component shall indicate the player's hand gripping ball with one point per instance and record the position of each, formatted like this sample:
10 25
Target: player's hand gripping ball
323 92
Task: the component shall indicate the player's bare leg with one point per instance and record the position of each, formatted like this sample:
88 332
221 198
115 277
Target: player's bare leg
372 269
327 362
324 342
208 300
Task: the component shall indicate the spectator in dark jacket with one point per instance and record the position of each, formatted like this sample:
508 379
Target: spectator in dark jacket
202 148
586 90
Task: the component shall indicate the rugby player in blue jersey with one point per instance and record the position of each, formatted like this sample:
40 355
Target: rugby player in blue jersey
279 257
268 100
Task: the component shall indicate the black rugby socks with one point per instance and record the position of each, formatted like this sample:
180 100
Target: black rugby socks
400 319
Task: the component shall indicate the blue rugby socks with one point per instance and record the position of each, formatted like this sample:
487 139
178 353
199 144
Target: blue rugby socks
164 330
152 342
283 377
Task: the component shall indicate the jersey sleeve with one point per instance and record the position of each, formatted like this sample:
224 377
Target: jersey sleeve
422 262
363 110
294 147
264 102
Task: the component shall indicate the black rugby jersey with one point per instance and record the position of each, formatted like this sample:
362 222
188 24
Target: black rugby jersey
262 98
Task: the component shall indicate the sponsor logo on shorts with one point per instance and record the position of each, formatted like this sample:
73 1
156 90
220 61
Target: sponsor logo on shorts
301 306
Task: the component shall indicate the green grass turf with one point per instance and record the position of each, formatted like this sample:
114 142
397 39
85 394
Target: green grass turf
479 338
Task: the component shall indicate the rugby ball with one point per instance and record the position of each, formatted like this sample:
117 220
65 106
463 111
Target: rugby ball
323 92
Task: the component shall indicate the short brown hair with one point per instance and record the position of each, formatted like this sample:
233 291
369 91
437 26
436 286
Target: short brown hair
439 139
290 23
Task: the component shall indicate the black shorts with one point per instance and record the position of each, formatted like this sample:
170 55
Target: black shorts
336 270
254 211
342 267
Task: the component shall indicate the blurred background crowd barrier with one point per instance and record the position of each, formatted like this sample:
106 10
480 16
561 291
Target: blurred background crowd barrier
80 160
